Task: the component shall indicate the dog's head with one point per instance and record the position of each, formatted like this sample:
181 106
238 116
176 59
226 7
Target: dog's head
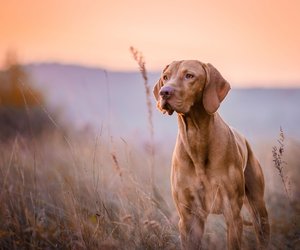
184 84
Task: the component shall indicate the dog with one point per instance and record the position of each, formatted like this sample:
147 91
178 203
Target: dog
214 170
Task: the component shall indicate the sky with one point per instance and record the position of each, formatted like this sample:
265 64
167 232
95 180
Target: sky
252 42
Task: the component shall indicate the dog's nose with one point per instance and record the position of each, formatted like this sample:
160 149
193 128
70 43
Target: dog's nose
166 92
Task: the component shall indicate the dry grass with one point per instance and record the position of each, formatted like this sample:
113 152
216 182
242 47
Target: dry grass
104 201
99 203
280 164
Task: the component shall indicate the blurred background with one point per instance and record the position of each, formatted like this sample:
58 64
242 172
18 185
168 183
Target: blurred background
79 167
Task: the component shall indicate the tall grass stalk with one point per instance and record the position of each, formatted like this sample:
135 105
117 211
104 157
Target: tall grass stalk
139 58
279 162
108 103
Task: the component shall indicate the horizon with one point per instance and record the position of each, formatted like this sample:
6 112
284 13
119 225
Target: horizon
241 85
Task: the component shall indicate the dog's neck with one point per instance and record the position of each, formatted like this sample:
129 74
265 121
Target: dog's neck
197 124
197 119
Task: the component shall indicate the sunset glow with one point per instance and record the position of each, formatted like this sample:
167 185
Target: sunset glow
253 43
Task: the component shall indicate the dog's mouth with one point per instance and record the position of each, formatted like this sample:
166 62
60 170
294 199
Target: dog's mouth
166 107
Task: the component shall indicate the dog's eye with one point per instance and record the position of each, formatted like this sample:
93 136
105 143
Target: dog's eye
165 77
189 76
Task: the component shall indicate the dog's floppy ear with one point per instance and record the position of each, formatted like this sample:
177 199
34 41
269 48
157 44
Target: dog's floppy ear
216 88
158 86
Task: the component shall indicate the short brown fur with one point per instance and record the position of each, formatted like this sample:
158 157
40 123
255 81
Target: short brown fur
214 169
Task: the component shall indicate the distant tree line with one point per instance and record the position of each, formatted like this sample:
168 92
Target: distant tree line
20 110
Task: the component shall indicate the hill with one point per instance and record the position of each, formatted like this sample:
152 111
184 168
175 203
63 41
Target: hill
94 98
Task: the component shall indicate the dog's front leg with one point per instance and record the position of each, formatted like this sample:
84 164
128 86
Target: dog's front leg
233 218
191 232
191 229
234 232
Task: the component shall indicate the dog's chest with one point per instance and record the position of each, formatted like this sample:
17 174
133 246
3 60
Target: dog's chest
197 147
200 193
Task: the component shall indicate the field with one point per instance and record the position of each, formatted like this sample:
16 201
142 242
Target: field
85 191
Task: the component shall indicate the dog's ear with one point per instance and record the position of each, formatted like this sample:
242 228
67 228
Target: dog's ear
216 89
158 86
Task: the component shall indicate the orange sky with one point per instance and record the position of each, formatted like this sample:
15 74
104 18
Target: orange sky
249 41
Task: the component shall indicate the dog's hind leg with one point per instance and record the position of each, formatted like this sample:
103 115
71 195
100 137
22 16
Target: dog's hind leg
254 188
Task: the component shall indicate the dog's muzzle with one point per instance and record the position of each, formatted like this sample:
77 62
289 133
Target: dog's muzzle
166 93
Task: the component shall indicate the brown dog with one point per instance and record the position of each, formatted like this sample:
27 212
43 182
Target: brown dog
213 168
